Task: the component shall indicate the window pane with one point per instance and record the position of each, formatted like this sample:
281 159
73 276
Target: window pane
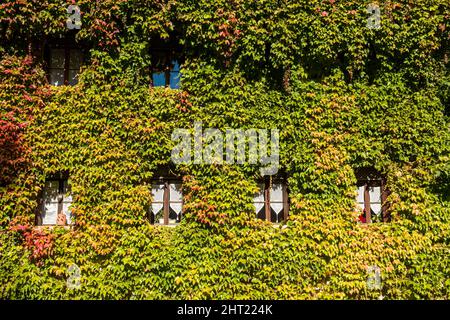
57 58
276 217
360 197
158 192
67 201
175 80
276 193
51 191
76 58
258 200
176 207
175 66
261 214
175 192
158 212
67 187
68 212
375 199
276 203
50 210
375 194
73 77
159 79
75 61
276 198
174 217
50 213
157 204
376 208
175 202
57 77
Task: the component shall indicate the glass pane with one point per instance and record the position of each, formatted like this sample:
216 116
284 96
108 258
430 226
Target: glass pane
276 197
276 217
51 191
175 80
175 192
76 58
174 217
67 200
57 58
261 213
57 77
360 197
158 212
157 207
258 200
276 206
50 212
276 193
176 207
68 212
375 199
157 204
175 75
67 191
175 66
158 192
375 194
159 79
376 208
73 77
175 202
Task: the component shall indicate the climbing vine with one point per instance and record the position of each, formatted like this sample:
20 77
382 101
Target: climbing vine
343 96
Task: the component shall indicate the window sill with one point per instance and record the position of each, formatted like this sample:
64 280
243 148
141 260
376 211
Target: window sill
166 225
366 225
280 225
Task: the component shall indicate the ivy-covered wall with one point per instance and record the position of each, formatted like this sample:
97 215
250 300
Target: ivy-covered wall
344 97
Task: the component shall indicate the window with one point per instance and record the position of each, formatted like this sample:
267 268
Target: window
64 61
167 75
56 201
272 202
371 199
165 62
167 205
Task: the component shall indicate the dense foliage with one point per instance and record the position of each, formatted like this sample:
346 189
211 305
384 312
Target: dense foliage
343 96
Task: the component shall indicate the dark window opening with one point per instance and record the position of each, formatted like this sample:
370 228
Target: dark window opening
165 64
63 60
